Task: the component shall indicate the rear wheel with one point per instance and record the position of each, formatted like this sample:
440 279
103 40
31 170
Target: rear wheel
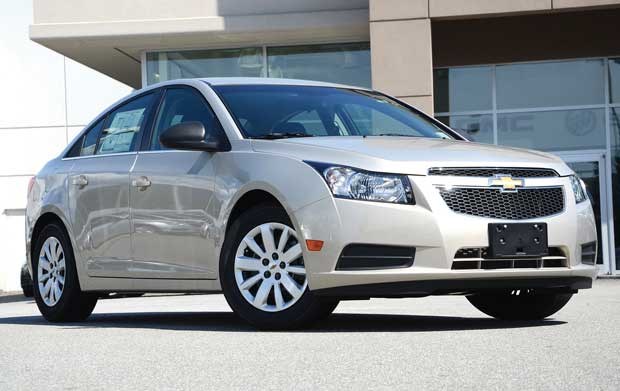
263 273
56 287
523 304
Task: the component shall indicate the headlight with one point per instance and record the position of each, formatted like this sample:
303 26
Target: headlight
579 189
355 184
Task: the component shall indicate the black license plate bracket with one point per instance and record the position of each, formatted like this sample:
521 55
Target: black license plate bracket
518 240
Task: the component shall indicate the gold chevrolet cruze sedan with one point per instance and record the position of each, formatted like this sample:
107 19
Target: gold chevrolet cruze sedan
290 196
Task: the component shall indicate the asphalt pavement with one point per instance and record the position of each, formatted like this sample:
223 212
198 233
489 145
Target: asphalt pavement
194 342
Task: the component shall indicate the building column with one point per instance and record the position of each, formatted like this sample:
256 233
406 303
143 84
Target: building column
401 51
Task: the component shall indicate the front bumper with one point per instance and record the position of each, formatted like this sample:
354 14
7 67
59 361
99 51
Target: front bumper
437 233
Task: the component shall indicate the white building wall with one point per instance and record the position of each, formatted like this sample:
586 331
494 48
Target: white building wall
45 99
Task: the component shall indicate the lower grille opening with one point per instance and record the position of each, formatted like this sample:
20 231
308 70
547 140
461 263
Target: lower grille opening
588 253
375 257
477 259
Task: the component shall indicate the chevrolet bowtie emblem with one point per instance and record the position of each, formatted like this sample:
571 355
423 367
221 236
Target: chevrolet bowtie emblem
506 182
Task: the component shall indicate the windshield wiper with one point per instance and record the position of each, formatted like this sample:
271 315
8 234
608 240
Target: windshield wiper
396 135
278 135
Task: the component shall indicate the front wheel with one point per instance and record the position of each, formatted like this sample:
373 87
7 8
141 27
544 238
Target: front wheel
263 273
522 304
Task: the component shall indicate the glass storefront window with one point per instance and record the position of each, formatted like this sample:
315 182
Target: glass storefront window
615 176
245 62
463 89
550 84
336 63
553 130
347 63
479 127
614 80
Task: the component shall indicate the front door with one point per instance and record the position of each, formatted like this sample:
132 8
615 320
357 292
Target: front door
590 167
171 195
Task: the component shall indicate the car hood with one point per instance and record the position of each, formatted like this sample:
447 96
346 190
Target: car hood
407 155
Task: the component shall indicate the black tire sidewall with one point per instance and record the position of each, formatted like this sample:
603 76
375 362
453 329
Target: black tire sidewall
305 310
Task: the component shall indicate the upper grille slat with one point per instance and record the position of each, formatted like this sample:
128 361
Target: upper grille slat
491 171
527 203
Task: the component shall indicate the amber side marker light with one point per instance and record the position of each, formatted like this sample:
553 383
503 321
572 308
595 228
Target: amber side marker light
314 245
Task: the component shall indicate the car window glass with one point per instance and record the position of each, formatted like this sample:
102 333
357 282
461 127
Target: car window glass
182 105
90 140
123 125
305 122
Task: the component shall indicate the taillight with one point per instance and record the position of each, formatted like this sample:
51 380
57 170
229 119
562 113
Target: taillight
30 185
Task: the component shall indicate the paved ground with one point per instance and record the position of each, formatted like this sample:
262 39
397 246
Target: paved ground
195 342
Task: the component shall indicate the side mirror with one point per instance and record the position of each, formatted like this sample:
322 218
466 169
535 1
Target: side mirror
191 136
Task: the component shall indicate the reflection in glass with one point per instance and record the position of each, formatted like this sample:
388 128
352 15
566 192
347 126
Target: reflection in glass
553 130
590 175
550 84
245 62
463 89
615 176
337 63
614 80
478 127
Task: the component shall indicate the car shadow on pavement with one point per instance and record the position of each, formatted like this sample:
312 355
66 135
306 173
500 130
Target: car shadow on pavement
227 321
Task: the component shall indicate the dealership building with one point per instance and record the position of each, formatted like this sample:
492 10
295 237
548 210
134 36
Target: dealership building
542 74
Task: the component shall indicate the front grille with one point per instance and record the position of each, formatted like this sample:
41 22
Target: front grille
477 259
492 171
493 203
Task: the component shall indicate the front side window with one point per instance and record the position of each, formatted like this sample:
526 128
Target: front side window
182 105
123 125
273 111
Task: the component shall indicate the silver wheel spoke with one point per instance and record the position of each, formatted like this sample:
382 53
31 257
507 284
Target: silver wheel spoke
247 284
292 254
283 239
48 254
57 291
291 286
268 240
247 263
296 270
44 264
254 246
61 279
47 287
57 252
277 293
263 293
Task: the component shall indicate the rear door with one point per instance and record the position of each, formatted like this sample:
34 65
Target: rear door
99 188
171 196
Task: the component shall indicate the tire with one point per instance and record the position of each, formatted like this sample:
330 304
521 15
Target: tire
26 282
73 305
520 304
250 287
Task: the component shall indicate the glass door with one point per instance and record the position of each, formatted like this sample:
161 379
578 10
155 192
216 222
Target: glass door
590 167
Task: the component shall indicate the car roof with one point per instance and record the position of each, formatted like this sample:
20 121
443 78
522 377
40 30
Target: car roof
227 81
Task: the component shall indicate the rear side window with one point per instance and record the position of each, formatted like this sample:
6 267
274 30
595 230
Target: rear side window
182 105
120 134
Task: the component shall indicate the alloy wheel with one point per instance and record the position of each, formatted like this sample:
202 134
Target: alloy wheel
51 271
269 267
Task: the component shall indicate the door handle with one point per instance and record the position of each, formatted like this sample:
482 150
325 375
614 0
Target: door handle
141 183
79 181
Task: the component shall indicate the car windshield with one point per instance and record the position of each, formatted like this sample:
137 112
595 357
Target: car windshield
281 111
